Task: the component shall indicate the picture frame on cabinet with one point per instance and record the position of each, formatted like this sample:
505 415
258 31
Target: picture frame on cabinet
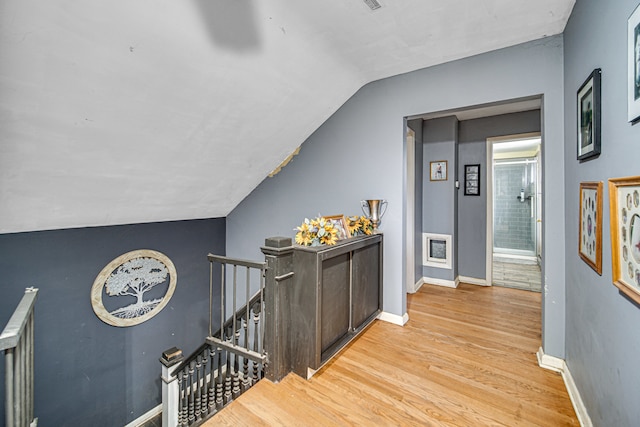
590 221
588 124
633 66
339 223
624 211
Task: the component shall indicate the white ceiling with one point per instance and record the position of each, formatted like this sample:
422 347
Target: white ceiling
128 111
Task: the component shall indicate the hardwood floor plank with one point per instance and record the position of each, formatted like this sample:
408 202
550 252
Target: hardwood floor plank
237 414
445 403
448 361
465 358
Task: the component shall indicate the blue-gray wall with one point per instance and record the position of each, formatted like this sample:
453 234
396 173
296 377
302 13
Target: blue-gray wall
472 210
88 373
439 202
603 333
358 153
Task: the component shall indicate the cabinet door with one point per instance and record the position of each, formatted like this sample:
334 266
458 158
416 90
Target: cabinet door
334 300
366 283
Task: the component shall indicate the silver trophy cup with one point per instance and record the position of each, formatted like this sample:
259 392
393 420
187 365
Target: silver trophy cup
375 209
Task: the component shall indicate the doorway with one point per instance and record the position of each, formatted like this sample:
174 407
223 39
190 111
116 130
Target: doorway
516 231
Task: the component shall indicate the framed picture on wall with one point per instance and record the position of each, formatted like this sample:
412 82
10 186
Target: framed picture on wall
438 170
588 103
633 66
624 211
590 236
472 180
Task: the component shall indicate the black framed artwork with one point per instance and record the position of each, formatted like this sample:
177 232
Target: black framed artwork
472 180
588 103
633 66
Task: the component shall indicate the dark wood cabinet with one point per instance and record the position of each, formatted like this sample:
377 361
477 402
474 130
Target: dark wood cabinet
336 293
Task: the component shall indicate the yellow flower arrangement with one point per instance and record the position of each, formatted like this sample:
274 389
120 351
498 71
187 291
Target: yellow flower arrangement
320 231
359 225
316 232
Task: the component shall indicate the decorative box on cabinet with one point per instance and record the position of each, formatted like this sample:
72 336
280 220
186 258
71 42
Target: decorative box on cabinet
336 293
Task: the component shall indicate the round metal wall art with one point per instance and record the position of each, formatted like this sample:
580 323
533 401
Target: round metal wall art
630 233
122 284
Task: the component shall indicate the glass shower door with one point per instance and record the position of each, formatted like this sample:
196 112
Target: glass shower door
514 206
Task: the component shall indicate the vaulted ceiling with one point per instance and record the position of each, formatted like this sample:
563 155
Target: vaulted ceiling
129 111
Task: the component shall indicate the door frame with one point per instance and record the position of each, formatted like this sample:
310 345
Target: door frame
489 240
409 206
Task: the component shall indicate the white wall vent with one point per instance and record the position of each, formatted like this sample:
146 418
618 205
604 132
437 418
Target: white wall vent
436 250
373 4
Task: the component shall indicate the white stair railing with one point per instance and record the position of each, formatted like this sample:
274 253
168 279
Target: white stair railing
17 342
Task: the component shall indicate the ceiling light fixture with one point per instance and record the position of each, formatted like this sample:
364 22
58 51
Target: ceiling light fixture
373 4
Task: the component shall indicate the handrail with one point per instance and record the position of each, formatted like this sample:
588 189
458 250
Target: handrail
18 321
187 361
235 261
16 340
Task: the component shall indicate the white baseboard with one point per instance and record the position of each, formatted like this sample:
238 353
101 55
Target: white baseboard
441 282
550 362
418 285
145 417
559 365
394 318
472 281
449 283
576 399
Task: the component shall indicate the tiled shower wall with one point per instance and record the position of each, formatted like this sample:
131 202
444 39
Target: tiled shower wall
512 218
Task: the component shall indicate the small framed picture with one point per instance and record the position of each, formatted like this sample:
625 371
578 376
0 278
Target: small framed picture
590 236
633 66
472 180
339 223
589 117
438 170
624 211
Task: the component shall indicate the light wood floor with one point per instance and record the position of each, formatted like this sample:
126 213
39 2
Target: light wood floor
517 275
465 358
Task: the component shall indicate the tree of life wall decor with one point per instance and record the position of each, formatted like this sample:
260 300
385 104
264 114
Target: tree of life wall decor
133 288
624 209
590 244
